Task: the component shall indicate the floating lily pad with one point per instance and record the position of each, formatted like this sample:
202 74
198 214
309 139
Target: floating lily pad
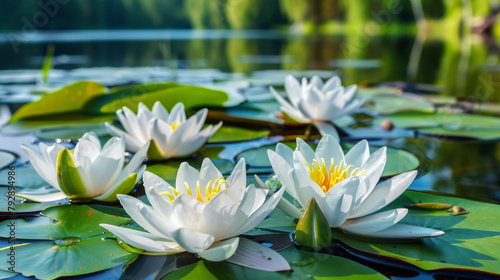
26 177
398 161
6 159
67 99
168 170
392 103
305 265
234 134
470 241
422 120
72 133
73 243
168 94
67 123
465 132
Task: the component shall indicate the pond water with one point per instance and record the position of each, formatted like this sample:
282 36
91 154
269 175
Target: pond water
463 68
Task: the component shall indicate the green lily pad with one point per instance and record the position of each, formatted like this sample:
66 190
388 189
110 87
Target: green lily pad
168 170
422 120
465 132
440 124
470 241
68 241
168 94
392 103
26 177
235 134
6 159
398 161
51 125
72 133
305 265
67 99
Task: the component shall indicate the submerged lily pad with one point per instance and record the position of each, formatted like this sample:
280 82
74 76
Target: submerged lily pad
68 241
470 241
168 94
305 265
234 134
67 99
6 159
398 161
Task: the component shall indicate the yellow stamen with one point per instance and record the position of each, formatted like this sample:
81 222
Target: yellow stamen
326 179
175 125
213 187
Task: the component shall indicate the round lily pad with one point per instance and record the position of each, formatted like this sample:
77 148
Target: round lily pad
398 161
6 159
67 241
470 241
235 134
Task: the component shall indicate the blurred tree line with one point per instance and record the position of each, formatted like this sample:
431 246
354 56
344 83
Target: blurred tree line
215 14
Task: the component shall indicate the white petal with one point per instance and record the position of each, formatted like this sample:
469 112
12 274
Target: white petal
306 109
144 115
124 121
260 214
327 129
254 255
374 222
192 241
221 250
135 127
160 202
218 215
285 152
405 231
316 82
134 163
159 111
133 144
177 115
238 180
186 174
336 211
48 173
384 193
306 150
374 166
328 148
132 206
200 117
55 196
293 89
349 92
295 114
332 83
166 228
159 131
144 240
281 168
358 155
106 167
187 212
208 172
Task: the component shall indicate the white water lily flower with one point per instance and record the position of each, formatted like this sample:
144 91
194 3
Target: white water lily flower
318 103
345 187
203 214
88 172
171 135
